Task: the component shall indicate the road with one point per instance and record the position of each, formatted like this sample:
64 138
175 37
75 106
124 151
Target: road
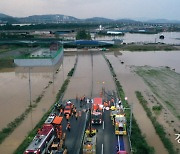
92 74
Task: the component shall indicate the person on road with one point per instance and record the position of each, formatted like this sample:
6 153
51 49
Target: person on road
67 117
80 102
76 115
61 111
74 111
68 127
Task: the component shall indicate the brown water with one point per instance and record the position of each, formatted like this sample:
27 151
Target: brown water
92 73
152 58
131 83
40 81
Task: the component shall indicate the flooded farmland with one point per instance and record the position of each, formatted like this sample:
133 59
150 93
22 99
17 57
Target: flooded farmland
91 74
131 82
39 82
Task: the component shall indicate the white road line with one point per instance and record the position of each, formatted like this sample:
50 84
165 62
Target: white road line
119 143
102 149
103 124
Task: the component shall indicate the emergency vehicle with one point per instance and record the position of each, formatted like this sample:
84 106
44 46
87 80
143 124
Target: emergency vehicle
120 124
97 111
42 140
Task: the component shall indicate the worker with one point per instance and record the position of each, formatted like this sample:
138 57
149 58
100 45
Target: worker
67 117
68 127
112 100
76 98
119 103
61 110
74 111
60 132
60 127
114 116
76 115
39 131
84 98
80 102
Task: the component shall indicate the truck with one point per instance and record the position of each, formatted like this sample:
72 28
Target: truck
42 140
120 146
120 124
96 111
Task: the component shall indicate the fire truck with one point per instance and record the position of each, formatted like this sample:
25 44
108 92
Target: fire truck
97 111
42 140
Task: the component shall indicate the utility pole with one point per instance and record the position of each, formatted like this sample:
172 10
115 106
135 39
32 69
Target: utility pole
30 86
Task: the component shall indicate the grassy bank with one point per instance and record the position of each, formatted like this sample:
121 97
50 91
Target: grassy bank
6 48
144 47
158 127
139 144
6 63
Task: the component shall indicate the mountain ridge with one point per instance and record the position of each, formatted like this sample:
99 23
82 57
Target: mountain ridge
60 18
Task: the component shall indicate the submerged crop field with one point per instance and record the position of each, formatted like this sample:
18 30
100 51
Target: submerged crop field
165 83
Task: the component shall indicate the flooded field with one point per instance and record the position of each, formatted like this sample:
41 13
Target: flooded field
152 58
170 38
91 75
131 82
16 99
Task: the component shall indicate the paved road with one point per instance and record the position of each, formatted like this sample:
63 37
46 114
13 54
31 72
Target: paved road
93 72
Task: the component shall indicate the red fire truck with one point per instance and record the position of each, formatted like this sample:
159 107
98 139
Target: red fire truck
42 140
97 111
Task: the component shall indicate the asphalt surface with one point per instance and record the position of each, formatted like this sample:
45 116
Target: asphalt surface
106 138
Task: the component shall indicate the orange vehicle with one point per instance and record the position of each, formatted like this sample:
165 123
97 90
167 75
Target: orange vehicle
97 111
67 110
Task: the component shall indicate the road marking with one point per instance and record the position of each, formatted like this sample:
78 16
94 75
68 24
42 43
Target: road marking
102 149
103 124
119 143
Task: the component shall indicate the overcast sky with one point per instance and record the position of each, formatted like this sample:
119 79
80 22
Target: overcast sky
115 9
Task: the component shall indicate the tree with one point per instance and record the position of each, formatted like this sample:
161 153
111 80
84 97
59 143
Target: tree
83 35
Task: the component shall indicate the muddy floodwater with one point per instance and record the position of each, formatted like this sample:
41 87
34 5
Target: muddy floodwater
131 82
15 98
91 75
152 58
